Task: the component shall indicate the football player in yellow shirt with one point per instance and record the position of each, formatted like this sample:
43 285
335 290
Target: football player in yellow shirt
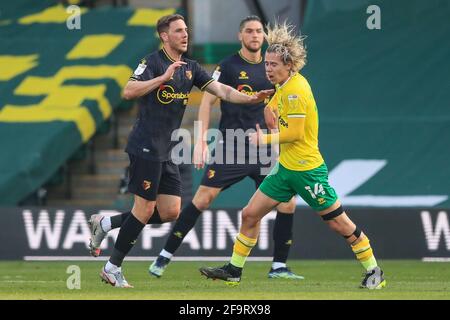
301 169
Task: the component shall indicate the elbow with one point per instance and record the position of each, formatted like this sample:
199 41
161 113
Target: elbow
296 137
299 137
220 95
225 93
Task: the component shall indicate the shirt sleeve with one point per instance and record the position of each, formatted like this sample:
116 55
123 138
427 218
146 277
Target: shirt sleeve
219 73
143 72
201 77
294 132
296 106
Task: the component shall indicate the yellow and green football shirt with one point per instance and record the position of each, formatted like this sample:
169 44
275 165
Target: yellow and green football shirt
294 99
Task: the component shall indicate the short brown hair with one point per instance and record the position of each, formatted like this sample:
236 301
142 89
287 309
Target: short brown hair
248 19
164 22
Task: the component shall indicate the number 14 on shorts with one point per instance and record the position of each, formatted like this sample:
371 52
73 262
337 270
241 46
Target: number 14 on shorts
318 190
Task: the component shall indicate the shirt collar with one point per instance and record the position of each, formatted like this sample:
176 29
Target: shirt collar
288 79
166 54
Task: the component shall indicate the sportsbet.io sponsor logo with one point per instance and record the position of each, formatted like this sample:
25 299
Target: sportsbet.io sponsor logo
166 94
246 89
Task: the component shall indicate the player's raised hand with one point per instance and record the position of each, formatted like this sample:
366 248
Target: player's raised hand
260 96
256 137
201 154
171 70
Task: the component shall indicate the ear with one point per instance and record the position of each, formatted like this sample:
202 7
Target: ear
240 36
164 36
289 66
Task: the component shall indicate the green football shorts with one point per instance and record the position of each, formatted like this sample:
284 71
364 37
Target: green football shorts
312 185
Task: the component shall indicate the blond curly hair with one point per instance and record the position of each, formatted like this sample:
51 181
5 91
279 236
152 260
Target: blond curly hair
286 44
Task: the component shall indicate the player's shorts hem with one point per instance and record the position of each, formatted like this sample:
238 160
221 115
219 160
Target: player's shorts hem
267 193
149 197
170 193
322 208
215 185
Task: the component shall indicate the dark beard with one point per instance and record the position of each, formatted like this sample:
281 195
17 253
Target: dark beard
251 49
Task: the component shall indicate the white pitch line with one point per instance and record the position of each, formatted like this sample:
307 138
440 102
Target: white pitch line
84 258
436 259
30 281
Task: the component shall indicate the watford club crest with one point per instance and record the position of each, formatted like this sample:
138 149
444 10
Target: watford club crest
189 74
146 185
211 174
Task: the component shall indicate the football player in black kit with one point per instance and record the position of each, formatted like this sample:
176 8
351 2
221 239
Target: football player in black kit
245 72
161 82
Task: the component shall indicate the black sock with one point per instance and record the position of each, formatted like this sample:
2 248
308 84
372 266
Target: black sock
186 221
282 236
128 235
118 220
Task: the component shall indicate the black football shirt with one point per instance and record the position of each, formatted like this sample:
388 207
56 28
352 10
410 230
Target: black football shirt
161 110
247 77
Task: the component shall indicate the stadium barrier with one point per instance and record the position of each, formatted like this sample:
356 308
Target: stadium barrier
63 233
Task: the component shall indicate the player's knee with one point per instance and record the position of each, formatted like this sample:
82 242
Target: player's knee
170 214
203 200
202 204
143 211
148 209
341 226
287 207
338 220
169 211
334 225
249 218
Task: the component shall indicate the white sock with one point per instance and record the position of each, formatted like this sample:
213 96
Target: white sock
106 224
277 265
109 267
166 254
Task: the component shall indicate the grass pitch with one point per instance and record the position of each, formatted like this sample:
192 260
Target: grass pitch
323 280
